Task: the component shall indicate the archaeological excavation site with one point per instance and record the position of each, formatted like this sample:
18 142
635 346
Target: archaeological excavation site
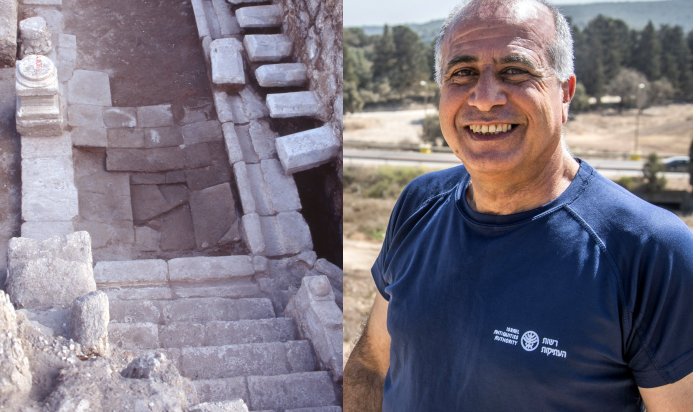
170 205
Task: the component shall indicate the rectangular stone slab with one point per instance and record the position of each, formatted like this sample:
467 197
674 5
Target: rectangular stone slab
294 104
308 149
281 75
227 64
257 17
267 47
145 160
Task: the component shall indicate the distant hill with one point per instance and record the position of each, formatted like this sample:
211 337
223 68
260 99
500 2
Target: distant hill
635 14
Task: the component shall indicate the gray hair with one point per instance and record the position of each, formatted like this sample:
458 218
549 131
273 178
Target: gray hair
559 52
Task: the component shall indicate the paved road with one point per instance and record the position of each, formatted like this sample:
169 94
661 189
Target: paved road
375 157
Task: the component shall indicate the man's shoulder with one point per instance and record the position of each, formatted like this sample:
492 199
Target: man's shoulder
434 184
617 215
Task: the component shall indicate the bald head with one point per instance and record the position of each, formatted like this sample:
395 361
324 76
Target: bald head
559 51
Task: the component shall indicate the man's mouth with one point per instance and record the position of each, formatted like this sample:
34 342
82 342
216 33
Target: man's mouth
491 129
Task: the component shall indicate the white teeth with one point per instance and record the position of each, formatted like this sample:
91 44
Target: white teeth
490 129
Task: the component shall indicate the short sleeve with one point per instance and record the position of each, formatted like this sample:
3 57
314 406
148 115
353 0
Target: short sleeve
379 268
660 348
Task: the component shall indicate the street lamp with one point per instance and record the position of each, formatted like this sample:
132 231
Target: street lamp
639 104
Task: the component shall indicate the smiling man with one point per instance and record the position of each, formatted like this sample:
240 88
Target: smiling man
522 280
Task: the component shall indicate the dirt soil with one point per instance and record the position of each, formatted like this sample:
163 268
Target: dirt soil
150 49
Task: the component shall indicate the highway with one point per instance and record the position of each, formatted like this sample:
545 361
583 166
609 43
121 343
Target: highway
375 157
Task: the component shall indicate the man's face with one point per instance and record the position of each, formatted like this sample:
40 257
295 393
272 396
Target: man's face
501 105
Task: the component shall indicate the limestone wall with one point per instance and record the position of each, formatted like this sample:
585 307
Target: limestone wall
316 28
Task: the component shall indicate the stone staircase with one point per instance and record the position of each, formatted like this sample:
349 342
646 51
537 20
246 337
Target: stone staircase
219 330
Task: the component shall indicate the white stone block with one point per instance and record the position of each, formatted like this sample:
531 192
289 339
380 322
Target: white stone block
253 236
280 188
227 64
262 139
209 268
33 147
285 234
258 17
88 137
229 107
141 272
226 18
201 21
320 320
307 149
85 115
234 151
267 47
281 75
294 104
120 117
48 189
44 230
89 87
262 197
158 115
89 318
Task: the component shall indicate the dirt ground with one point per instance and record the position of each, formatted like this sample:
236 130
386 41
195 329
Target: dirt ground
665 130
150 49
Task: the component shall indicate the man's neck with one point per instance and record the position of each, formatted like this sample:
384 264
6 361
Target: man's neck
500 195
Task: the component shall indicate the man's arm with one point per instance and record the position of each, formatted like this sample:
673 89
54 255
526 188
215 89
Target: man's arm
363 377
675 397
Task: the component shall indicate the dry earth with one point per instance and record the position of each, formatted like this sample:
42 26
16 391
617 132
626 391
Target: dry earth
665 130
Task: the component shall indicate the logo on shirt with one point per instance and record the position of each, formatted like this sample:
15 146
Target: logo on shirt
530 341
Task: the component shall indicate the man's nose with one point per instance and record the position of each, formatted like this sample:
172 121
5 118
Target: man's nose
487 92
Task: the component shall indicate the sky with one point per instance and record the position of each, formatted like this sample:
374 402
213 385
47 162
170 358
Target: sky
392 12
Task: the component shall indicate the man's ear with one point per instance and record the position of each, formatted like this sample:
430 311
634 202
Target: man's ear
568 88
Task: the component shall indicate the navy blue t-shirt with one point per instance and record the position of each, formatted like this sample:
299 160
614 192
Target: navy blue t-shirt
568 307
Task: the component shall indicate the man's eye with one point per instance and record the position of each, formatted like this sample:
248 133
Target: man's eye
513 71
463 73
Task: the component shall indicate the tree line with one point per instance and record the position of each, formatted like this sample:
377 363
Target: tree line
610 59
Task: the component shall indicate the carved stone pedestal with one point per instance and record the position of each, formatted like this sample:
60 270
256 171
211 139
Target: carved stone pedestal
38 103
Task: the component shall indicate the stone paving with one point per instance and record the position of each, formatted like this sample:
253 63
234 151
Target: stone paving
195 219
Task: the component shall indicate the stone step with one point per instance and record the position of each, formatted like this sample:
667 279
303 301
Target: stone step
294 104
189 309
146 335
281 392
307 149
268 358
257 17
298 390
267 47
157 272
281 75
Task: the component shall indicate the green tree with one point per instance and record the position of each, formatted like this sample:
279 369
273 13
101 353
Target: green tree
654 182
646 53
384 57
410 65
